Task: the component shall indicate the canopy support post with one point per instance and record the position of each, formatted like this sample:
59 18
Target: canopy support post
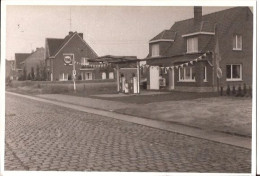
117 78
138 77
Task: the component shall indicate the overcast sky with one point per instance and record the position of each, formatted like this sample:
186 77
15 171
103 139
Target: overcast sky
108 30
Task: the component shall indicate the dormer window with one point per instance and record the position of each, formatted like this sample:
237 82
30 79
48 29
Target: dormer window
192 45
237 42
84 61
155 50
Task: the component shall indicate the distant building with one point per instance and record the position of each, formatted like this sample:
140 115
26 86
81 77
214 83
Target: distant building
60 53
186 57
34 60
19 58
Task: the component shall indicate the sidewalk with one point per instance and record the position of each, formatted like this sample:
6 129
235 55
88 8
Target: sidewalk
88 102
95 106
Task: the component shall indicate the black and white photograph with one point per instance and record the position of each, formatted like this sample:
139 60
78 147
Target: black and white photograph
105 88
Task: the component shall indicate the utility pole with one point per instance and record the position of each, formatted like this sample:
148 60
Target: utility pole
70 18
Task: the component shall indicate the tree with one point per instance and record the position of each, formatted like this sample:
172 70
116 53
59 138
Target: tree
43 71
29 76
37 78
24 74
32 74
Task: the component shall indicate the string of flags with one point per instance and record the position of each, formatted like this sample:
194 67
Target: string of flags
180 65
100 65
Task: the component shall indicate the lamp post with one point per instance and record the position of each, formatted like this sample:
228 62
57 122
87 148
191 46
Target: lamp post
74 74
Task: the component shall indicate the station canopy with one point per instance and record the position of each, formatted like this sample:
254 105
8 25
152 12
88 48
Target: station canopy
115 59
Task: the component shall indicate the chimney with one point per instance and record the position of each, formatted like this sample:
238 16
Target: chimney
81 35
197 14
70 32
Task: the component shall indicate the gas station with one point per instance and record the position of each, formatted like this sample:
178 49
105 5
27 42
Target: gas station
127 72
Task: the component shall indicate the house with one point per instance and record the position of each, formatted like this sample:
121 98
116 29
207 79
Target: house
34 63
203 53
61 53
19 58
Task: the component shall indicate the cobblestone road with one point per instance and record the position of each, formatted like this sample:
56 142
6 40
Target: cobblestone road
41 136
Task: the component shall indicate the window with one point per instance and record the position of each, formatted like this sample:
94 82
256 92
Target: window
237 42
205 74
104 75
234 72
155 50
186 74
88 76
84 61
63 76
111 75
192 45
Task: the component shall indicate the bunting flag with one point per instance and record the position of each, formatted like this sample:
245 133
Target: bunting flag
187 63
191 62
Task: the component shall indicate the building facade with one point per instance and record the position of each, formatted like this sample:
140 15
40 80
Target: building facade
203 53
61 53
19 59
34 63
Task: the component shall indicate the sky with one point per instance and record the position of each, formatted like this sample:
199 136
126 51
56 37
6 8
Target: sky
113 30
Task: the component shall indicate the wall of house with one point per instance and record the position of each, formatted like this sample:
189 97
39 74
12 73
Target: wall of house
79 49
37 58
244 26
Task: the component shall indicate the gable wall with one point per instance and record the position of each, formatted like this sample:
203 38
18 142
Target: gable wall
79 49
244 26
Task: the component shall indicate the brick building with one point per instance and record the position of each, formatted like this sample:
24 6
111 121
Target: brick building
73 47
19 58
204 52
34 60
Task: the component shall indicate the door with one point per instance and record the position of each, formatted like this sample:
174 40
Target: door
171 79
154 77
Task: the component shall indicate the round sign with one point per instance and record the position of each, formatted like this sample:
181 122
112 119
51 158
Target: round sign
74 72
219 72
67 59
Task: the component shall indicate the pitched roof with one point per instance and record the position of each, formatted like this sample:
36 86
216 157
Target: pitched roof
56 44
35 56
20 57
53 45
223 19
166 34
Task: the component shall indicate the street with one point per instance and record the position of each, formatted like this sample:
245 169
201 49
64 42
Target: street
42 136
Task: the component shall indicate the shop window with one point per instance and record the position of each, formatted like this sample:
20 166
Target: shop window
111 75
63 76
186 74
104 75
88 76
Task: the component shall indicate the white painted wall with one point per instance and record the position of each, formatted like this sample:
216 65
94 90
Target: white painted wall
154 77
171 79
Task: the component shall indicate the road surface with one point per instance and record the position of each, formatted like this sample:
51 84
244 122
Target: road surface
42 136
